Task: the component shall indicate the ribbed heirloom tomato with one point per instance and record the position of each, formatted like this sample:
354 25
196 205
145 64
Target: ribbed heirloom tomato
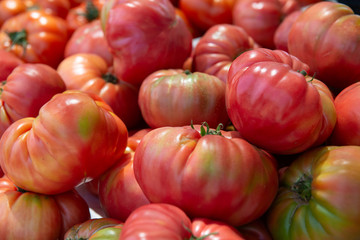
33 216
75 136
90 73
319 196
210 176
26 90
35 37
145 36
174 97
274 106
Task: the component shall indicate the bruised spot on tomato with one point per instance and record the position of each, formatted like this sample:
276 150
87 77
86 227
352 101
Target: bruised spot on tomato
86 125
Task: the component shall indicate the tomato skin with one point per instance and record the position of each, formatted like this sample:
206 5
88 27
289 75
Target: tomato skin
282 32
214 230
266 96
318 196
9 63
218 47
163 41
24 215
64 142
119 192
38 82
157 221
331 51
46 37
89 38
347 128
197 96
81 15
86 229
260 19
204 14
90 73
256 230
188 172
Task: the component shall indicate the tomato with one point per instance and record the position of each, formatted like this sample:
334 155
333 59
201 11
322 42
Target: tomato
61 147
331 50
218 47
275 107
260 19
9 61
33 216
319 196
90 73
119 192
157 221
204 14
26 90
84 13
89 38
163 41
207 229
11 8
87 229
35 37
282 32
218 177
135 138
347 128
197 97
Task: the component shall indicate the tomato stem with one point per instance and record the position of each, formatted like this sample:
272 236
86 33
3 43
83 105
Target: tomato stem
187 72
303 187
18 38
110 78
204 132
91 11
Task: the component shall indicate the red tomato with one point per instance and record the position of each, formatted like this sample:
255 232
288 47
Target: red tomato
35 37
58 149
332 49
26 90
157 221
218 177
119 192
218 47
282 32
274 106
260 19
204 14
86 230
9 61
347 128
11 8
89 38
197 97
207 229
90 73
84 13
163 41
319 196
33 216
135 138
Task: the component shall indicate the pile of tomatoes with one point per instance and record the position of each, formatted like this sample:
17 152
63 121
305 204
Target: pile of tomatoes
226 119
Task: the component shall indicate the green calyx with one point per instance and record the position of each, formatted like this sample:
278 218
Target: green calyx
198 238
303 188
110 78
207 131
18 38
187 72
91 12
